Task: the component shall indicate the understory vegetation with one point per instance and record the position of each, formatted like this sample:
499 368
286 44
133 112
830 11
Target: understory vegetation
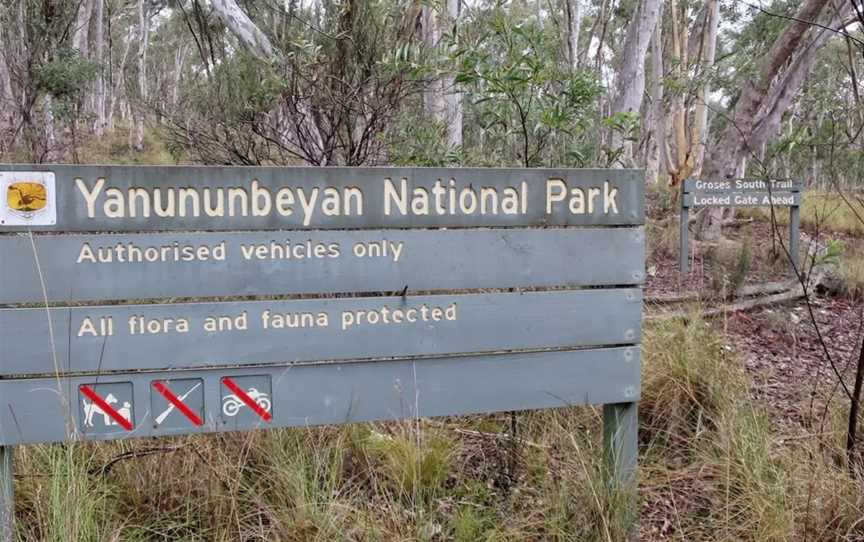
712 460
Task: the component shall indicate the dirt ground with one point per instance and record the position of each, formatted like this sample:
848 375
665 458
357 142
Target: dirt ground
793 353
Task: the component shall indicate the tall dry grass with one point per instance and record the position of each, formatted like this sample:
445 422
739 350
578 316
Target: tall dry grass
703 438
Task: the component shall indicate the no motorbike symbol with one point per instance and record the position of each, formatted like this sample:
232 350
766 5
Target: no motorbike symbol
246 398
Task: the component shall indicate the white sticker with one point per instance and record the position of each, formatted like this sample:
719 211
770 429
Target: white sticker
27 198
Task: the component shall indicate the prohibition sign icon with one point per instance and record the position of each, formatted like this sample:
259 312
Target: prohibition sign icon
105 407
177 402
247 400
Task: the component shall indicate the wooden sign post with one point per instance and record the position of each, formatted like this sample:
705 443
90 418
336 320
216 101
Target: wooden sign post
150 301
740 193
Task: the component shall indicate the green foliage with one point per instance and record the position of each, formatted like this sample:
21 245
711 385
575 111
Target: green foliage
413 467
73 504
626 124
66 75
833 250
246 88
524 100
420 142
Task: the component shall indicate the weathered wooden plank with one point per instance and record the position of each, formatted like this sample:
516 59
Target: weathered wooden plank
52 410
343 328
742 185
270 263
741 199
183 198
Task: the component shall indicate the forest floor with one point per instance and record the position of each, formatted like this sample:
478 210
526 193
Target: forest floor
792 354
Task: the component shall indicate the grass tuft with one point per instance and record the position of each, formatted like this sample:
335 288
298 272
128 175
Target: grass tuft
688 382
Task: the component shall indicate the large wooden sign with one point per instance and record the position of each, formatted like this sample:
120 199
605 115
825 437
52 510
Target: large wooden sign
142 301
740 193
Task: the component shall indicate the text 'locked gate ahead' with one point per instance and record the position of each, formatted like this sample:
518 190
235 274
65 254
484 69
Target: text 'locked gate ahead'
150 301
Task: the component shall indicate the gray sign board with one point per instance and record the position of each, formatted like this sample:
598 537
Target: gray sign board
37 410
77 267
150 301
168 336
741 199
148 198
742 185
740 193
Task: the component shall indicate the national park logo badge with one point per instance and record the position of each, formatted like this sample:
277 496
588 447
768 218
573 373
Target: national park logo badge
28 198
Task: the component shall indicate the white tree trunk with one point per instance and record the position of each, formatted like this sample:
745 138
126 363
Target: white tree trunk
574 23
98 56
244 29
442 98
7 98
630 79
51 150
143 38
81 31
700 121
452 93
657 148
179 62
432 98
112 103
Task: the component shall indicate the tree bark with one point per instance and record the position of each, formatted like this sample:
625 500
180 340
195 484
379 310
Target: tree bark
98 56
699 132
657 147
442 99
51 152
81 31
630 79
236 20
7 97
117 87
143 38
452 93
766 97
574 22
854 407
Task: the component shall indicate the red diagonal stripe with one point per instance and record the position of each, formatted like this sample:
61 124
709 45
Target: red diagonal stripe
174 400
106 408
256 408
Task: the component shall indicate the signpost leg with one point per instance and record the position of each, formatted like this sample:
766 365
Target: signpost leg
794 238
620 450
7 494
684 259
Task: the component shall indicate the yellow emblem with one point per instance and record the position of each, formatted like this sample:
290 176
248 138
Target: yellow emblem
26 197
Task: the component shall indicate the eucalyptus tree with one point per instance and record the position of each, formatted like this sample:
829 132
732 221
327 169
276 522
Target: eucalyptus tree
44 75
321 90
630 76
766 95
